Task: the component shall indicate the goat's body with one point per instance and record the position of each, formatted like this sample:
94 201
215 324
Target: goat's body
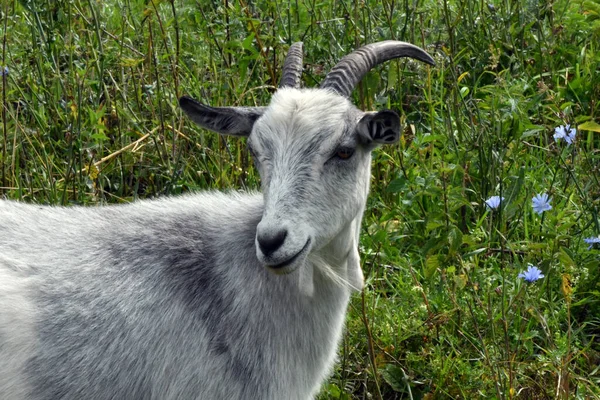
187 298
156 300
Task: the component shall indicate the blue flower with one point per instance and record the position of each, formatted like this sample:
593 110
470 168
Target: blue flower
565 132
532 274
4 71
592 241
541 203
494 202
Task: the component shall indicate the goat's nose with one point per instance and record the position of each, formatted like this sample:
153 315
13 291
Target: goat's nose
269 242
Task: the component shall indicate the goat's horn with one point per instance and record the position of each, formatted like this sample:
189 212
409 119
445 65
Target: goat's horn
292 67
344 77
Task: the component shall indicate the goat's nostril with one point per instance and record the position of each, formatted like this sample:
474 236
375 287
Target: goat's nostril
269 242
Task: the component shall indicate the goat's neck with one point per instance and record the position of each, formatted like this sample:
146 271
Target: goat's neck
341 254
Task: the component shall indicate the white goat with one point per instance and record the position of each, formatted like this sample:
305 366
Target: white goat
176 298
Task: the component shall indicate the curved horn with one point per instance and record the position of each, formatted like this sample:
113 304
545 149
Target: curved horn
292 67
352 68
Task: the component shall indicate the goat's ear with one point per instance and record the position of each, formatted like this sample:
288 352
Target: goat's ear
381 127
236 121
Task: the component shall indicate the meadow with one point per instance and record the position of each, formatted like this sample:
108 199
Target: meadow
481 246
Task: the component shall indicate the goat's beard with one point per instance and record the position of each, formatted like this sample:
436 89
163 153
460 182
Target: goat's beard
346 272
306 278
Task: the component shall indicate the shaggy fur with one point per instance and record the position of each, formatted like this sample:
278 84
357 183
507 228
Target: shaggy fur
174 298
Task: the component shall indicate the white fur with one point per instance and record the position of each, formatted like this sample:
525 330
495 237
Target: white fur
17 331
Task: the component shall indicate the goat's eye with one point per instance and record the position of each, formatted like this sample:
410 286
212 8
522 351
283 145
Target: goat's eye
344 153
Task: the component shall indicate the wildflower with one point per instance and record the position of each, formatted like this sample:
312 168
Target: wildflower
565 132
592 241
570 138
541 203
532 274
494 202
4 71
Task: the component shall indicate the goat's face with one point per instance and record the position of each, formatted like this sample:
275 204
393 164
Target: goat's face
312 148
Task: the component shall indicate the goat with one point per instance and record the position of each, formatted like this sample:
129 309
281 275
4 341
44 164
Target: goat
210 295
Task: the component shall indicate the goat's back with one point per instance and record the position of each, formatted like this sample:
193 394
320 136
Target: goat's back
158 299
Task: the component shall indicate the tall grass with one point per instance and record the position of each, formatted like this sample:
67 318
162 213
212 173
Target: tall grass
90 117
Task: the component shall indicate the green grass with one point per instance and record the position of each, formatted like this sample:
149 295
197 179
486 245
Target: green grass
90 117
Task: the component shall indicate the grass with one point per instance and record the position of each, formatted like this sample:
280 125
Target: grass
90 117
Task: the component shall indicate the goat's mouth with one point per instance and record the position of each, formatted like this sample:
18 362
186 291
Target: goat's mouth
290 265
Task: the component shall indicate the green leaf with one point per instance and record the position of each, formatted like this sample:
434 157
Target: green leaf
333 391
248 44
392 75
397 185
475 252
565 258
431 225
99 137
394 376
432 263
589 126
131 62
515 188
431 138
464 92
460 281
455 239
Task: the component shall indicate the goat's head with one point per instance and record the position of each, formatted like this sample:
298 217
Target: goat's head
312 148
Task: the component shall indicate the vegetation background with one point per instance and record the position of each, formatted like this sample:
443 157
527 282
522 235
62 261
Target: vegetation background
89 116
